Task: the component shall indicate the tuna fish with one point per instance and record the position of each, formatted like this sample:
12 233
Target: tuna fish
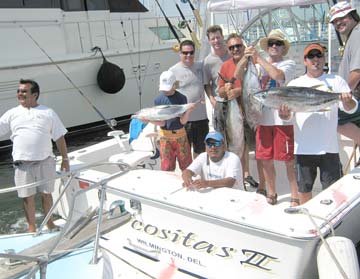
234 127
303 99
160 113
251 85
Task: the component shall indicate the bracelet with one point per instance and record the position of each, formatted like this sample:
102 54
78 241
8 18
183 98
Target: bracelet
65 159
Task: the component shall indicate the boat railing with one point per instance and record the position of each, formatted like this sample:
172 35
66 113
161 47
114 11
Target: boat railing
101 185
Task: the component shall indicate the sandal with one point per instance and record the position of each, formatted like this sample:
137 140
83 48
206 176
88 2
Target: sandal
294 201
272 199
251 181
261 192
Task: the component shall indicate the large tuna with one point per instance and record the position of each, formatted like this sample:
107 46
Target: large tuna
303 99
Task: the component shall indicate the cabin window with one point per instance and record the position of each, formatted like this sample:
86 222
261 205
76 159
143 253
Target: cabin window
126 6
73 5
164 32
96 5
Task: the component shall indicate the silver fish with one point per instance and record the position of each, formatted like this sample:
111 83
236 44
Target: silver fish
234 128
160 113
251 85
302 99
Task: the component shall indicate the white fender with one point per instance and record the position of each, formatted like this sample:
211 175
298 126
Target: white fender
345 253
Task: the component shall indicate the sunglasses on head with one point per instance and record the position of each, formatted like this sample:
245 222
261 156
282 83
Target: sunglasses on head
214 143
312 55
238 46
188 52
277 43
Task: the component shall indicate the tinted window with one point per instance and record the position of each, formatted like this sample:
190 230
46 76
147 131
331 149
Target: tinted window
29 3
72 5
96 5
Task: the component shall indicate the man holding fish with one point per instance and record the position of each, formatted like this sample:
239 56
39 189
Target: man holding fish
173 139
316 142
274 138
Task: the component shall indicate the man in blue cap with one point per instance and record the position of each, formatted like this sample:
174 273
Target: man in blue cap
215 167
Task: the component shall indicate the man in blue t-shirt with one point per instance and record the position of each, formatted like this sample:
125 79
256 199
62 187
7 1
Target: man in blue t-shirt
173 139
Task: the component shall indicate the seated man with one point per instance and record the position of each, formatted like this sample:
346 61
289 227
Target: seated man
216 166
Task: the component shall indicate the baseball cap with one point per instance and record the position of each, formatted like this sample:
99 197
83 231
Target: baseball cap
341 9
215 135
313 47
167 80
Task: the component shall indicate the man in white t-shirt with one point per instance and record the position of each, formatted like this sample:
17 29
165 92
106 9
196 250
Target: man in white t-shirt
315 133
32 127
216 167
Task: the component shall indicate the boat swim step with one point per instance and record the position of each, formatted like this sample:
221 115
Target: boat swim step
81 238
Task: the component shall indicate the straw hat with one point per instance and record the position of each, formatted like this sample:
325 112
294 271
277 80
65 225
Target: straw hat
275 35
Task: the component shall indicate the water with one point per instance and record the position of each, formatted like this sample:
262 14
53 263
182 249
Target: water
12 218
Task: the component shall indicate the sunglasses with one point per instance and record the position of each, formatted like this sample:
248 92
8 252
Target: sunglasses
188 52
21 90
277 43
311 55
214 143
238 46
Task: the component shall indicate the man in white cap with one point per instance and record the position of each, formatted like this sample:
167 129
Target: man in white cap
345 20
216 167
274 137
173 139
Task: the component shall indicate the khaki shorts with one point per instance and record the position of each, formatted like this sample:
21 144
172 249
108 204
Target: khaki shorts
33 171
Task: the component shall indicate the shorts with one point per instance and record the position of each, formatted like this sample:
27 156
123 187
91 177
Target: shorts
346 118
196 133
275 142
34 171
306 170
174 144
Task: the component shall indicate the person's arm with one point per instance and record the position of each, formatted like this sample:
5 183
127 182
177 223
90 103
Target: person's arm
187 177
158 123
61 146
272 71
219 183
185 117
349 103
354 79
209 93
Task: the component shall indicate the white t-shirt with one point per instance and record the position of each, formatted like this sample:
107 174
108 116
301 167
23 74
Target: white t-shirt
316 132
192 86
228 166
31 131
270 116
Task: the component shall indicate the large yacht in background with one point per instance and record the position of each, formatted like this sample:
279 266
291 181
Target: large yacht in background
42 38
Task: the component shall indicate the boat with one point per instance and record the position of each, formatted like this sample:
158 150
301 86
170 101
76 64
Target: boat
52 42
160 228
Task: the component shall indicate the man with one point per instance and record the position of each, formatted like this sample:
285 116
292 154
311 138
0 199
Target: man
32 126
316 143
229 91
173 139
212 65
345 21
190 76
274 138
216 167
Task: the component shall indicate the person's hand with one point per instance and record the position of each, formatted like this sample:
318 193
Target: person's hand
187 178
251 52
284 112
199 183
191 107
347 101
146 121
65 165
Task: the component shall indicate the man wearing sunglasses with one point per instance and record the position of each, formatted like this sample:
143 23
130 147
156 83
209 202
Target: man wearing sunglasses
346 20
214 168
33 127
316 142
190 76
274 137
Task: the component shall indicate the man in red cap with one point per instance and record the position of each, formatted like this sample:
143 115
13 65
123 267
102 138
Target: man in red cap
345 20
315 133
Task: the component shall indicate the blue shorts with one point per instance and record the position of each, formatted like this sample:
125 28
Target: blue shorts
306 170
